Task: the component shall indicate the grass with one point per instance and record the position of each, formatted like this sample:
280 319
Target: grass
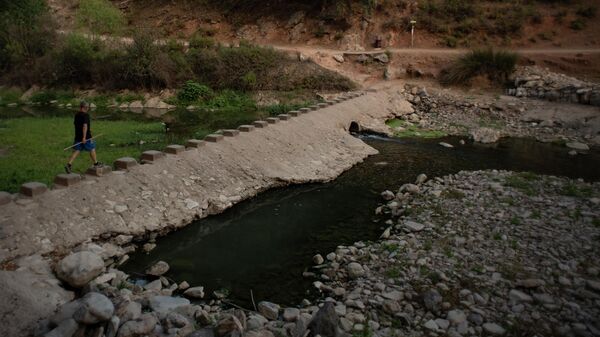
523 182
573 190
407 129
496 65
34 146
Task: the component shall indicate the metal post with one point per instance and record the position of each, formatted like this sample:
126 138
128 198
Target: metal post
412 33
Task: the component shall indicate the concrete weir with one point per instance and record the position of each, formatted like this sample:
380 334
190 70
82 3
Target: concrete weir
170 191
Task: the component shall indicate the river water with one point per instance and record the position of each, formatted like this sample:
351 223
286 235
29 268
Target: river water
265 244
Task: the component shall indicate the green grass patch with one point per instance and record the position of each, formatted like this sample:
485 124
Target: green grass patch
8 96
452 193
34 146
405 129
523 182
573 190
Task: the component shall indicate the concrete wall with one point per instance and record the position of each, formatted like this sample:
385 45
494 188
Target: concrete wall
178 188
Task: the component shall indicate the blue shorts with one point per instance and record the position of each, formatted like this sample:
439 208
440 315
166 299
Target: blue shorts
88 146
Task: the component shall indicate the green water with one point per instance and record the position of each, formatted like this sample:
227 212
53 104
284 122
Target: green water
265 244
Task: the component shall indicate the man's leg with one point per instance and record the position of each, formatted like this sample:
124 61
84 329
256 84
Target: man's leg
73 156
93 156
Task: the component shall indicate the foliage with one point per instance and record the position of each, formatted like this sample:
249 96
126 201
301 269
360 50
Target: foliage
405 129
100 17
496 65
192 92
201 42
146 65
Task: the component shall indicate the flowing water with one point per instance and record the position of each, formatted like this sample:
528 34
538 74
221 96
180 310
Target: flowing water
265 244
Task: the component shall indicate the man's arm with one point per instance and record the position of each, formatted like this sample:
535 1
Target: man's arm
85 128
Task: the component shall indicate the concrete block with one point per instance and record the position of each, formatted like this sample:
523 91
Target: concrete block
5 198
284 117
67 180
294 113
125 163
33 189
305 110
272 120
195 143
261 124
152 155
246 128
314 107
175 149
99 171
338 100
214 138
322 105
231 133
330 102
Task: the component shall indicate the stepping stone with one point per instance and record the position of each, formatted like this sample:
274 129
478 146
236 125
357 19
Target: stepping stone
231 132
214 138
272 120
67 180
5 198
314 107
152 155
125 163
330 102
294 113
175 149
99 171
195 143
338 100
322 105
305 110
261 124
246 128
284 117
33 189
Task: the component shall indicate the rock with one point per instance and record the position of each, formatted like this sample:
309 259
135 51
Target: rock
456 317
112 327
593 285
268 310
175 320
578 146
183 285
386 233
166 303
66 311
431 325
383 58
259 333
519 296
291 314
128 310
410 188
139 327
158 269
493 329
530 283
318 259
94 308
66 328
256 322
154 285
421 178
205 332
413 226
79 268
148 247
432 299
387 195
229 324
442 323
485 135
338 58
324 322
195 292
355 270
391 306
331 256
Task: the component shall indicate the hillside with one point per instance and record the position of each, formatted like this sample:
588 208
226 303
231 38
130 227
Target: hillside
355 25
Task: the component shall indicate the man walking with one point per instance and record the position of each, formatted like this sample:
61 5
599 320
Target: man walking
83 137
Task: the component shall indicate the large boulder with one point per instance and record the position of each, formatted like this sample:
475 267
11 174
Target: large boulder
325 322
78 269
485 135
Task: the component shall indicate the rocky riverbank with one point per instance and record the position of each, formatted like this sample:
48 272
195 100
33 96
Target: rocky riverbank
476 253
486 117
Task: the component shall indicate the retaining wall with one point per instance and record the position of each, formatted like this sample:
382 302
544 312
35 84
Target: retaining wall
170 188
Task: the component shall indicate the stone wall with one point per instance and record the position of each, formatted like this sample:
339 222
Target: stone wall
183 183
536 82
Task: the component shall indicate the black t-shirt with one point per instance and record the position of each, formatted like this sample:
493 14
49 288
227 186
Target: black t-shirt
80 119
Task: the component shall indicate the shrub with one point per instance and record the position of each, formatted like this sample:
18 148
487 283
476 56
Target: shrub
146 65
100 17
201 42
76 59
577 24
193 91
587 11
496 65
249 80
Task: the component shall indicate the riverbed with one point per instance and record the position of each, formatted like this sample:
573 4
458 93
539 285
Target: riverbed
265 244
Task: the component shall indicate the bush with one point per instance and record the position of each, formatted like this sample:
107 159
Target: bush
201 42
577 24
192 92
146 65
76 60
587 11
100 17
496 65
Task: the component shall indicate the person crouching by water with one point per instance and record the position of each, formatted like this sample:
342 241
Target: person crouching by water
83 137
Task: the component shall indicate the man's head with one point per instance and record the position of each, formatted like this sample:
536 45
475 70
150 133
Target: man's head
84 106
